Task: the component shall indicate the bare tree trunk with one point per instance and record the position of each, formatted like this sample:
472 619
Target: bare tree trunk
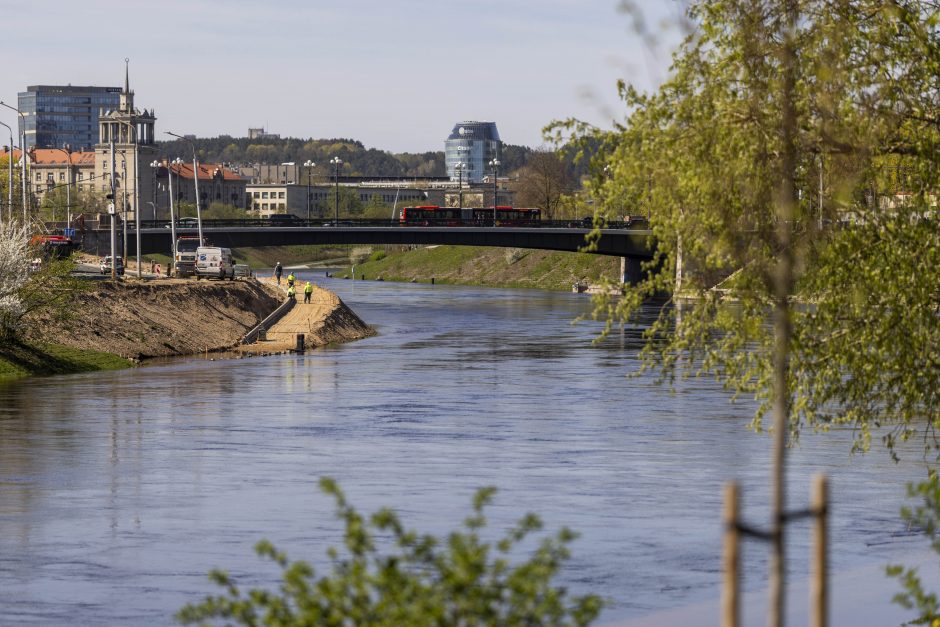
783 288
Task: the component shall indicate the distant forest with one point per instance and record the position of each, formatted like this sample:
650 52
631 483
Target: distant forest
361 161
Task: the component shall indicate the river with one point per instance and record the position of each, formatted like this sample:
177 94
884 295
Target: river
119 491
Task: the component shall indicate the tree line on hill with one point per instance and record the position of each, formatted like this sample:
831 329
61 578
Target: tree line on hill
361 161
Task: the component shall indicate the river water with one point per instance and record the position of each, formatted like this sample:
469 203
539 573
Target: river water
120 491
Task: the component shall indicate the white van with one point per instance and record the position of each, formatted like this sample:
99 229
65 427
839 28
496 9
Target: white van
213 262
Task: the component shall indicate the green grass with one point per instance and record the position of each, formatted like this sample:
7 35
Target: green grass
289 255
21 359
467 265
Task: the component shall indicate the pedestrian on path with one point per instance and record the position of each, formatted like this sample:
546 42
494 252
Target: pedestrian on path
153 266
290 280
291 293
308 290
278 270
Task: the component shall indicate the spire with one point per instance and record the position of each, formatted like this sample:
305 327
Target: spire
127 96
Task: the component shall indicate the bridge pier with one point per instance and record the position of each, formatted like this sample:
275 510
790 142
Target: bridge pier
631 271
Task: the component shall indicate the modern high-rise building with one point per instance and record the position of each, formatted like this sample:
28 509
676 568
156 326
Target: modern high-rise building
64 114
474 144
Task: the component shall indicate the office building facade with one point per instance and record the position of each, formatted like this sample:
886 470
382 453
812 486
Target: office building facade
59 115
474 144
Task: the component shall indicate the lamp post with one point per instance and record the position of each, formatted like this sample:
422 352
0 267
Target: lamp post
10 181
112 208
68 187
155 165
124 207
309 165
494 163
169 175
336 161
133 127
23 181
195 182
460 167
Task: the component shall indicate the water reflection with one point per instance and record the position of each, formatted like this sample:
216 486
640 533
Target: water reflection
119 491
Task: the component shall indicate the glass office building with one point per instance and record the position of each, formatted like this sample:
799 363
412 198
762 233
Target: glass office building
474 144
64 114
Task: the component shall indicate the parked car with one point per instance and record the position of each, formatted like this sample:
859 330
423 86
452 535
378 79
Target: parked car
242 269
106 265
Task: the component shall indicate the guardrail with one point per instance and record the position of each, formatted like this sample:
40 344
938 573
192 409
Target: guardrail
272 319
187 226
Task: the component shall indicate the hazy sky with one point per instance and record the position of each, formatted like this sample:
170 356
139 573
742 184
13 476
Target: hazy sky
394 74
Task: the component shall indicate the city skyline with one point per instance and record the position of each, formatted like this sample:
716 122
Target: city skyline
395 76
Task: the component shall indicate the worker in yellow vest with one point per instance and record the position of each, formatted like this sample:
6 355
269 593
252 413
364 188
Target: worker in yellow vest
290 280
308 291
291 293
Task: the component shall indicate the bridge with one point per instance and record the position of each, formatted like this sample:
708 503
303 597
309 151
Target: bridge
631 244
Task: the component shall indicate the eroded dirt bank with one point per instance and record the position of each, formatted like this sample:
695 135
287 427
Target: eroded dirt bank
175 317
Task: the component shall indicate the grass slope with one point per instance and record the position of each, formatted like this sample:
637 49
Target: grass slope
500 267
19 360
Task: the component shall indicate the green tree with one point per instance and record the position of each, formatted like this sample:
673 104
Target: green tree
417 580
376 209
222 211
728 156
349 204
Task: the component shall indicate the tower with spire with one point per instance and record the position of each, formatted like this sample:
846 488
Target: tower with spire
132 131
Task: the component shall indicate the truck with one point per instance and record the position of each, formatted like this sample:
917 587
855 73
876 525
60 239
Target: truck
184 260
214 262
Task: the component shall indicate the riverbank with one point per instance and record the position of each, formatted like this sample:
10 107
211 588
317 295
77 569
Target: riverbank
324 320
141 319
485 266
114 324
27 359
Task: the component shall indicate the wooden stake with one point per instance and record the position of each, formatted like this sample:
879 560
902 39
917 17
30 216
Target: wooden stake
731 558
819 589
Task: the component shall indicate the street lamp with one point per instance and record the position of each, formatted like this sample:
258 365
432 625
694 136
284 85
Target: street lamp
10 182
336 161
155 165
494 163
195 182
169 175
460 168
124 206
309 165
133 127
68 188
22 158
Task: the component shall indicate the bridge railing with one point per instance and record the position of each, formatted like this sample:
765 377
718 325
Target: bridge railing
190 225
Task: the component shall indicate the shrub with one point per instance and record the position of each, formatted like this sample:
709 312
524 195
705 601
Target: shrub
422 581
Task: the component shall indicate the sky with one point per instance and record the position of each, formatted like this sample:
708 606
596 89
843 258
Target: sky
394 74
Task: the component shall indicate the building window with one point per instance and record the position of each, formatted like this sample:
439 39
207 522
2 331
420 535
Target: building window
81 177
264 195
280 195
38 176
61 176
257 194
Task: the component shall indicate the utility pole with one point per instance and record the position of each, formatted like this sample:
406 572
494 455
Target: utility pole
113 210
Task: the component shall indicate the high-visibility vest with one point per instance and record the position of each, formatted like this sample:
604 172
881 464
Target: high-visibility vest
290 291
308 289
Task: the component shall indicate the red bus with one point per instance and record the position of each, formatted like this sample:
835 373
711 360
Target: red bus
433 215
